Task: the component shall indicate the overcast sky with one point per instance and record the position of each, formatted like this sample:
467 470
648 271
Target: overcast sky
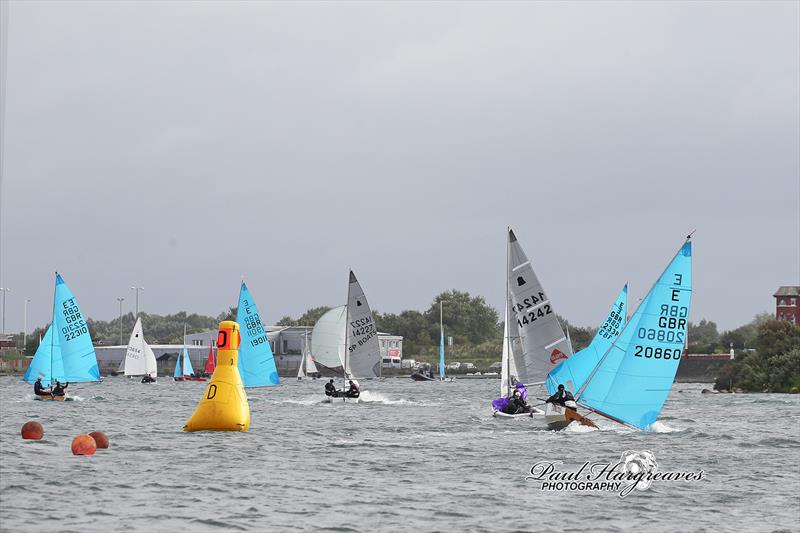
179 145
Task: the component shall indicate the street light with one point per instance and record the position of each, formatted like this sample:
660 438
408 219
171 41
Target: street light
120 300
5 290
137 289
25 327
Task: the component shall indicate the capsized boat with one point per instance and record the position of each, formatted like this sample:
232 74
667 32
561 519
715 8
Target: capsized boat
346 337
632 380
139 357
66 353
256 360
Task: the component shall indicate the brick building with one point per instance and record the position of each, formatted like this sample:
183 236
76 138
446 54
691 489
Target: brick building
786 304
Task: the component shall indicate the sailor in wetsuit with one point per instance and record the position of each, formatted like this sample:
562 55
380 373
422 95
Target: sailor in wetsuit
353 391
561 397
515 404
39 390
330 389
58 390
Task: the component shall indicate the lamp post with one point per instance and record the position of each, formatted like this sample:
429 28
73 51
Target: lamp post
5 290
137 289
120 300
25 326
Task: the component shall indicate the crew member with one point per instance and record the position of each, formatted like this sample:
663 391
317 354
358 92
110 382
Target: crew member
515 404
353 391
561 397
39 390
330 389
58 390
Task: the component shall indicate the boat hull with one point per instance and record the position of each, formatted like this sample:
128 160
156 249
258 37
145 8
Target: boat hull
53 398
416 376
529 414
340 399
558 417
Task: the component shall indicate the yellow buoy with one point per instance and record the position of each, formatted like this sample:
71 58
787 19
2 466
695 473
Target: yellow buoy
224 404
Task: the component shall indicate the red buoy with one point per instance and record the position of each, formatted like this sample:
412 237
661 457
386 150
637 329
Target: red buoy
83 445
100 439
32 430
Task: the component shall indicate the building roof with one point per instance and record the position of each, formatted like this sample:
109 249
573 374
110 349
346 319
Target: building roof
787 291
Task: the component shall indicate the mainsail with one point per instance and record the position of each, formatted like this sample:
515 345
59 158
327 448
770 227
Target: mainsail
256 361
139 358
66 353
363 356
209 368
327 338
573 372
632 381
544 344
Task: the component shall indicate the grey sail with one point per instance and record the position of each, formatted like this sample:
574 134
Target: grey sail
543 342
363 352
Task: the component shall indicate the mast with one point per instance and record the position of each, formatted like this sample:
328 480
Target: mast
441 329
346 313
55 331
506 332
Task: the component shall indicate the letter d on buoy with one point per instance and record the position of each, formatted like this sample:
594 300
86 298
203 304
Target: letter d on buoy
223 406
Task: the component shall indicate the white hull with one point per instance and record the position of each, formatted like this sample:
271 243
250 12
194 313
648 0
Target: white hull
533 413
341 399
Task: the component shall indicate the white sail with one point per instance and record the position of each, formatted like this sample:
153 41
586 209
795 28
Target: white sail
135 364
543 341
363 352
150 361
311 368
327 338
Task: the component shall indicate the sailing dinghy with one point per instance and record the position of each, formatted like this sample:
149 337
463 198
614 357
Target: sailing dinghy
539 342
139 357
66 353
307 366
183 365
632 380
346 337
256 360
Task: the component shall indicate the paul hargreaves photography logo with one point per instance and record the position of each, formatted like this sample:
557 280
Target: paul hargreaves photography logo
635 470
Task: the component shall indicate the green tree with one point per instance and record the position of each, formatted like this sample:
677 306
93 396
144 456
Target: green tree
703 337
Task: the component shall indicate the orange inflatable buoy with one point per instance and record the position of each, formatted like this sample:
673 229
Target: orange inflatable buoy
83 445
100 439
32 430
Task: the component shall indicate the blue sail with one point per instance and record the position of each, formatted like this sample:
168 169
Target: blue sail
632 381
573 372
256 362
46 363
178 373
72 334
441 356
187 363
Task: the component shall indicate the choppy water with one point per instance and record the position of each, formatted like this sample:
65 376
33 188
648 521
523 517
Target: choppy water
413 456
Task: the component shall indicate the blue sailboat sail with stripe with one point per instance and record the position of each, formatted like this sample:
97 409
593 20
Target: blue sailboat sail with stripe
573 372
256 361
69 355
632 381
